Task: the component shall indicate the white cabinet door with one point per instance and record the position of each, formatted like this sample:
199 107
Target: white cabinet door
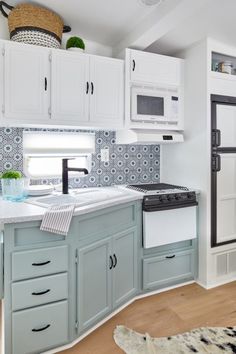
70 87
107 92
27 83
1 80
154 68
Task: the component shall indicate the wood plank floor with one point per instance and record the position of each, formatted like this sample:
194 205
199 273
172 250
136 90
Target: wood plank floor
166 314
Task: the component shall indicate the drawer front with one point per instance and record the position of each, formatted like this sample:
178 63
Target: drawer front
108 222
39 291
39 329
168 269
35 263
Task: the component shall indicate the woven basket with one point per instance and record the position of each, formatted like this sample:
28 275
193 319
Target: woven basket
33 24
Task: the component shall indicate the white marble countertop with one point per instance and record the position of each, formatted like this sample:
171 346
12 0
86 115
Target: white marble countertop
13 212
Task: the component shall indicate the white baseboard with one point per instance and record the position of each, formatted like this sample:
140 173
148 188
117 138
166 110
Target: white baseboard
216 283
72 344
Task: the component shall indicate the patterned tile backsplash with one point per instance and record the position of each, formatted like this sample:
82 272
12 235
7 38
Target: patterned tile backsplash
127 164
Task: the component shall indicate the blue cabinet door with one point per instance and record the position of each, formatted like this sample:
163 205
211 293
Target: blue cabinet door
1 266
94 283
125 269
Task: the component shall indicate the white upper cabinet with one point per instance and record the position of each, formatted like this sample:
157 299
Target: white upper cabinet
154 68
70 87
57 87
1 78
106 92
26 83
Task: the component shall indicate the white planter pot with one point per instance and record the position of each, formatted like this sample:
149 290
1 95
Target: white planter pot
73 49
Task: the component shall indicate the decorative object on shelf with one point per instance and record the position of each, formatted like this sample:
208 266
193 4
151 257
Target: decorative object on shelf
33 24
13 186
76 44
201 340
225 67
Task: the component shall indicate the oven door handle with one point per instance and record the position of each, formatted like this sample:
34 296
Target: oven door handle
151 209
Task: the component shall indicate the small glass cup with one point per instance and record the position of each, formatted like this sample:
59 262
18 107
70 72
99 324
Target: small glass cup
14 189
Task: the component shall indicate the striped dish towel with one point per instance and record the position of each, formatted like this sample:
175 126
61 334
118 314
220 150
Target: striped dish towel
57 219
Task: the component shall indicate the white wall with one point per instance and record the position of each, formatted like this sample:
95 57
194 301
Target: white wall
4 33
91 47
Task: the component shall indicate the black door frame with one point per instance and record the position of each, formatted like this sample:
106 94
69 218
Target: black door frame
215 153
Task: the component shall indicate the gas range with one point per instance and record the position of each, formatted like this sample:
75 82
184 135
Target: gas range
163 196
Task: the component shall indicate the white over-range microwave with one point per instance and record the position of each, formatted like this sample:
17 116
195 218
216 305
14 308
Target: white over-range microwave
155 104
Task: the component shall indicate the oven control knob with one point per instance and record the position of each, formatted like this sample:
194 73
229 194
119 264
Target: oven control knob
177 197
171 197
164 198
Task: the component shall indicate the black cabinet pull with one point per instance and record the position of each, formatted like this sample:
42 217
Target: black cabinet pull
169 257
42 292
87 87
111 262
115 258
40 264
134 65
45 84
92 88
41 329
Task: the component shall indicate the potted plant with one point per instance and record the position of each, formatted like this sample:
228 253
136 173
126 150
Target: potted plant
12 185
76 44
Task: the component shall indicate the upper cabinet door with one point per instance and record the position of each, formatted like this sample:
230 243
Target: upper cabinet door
107 92
1 79
70 87
154 69
27 83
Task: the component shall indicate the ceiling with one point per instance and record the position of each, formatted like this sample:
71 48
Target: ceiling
216 20
102 21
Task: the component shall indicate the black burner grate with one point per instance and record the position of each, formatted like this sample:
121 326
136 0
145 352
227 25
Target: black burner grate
154 187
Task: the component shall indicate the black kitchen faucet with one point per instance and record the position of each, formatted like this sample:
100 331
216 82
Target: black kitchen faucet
65 170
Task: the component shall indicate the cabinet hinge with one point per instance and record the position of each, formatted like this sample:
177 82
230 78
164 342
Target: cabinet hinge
3 109
50 57
76 325
3 51
76 259
49 111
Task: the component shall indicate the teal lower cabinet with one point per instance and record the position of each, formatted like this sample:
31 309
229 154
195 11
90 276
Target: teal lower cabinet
40 328
94 283
169 265
56 288
107 276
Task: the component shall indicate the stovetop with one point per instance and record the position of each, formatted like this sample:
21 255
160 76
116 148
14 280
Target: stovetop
157 188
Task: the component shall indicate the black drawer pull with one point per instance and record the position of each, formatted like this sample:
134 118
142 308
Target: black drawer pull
41 329
40 264
115 258
111 262
170 257
42 292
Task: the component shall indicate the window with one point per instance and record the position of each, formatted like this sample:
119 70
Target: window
44 151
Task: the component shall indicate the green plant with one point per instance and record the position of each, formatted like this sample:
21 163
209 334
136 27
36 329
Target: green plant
11 174
75 42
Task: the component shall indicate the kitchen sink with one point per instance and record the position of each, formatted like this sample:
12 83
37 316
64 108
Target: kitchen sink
78 197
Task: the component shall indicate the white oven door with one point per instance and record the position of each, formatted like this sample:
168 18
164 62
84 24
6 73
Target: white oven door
168 226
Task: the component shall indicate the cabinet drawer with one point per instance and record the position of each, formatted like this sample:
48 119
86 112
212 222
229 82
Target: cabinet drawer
39 291
39 329
168 269
44 261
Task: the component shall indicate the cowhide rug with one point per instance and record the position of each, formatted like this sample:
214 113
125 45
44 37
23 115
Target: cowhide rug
216 340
